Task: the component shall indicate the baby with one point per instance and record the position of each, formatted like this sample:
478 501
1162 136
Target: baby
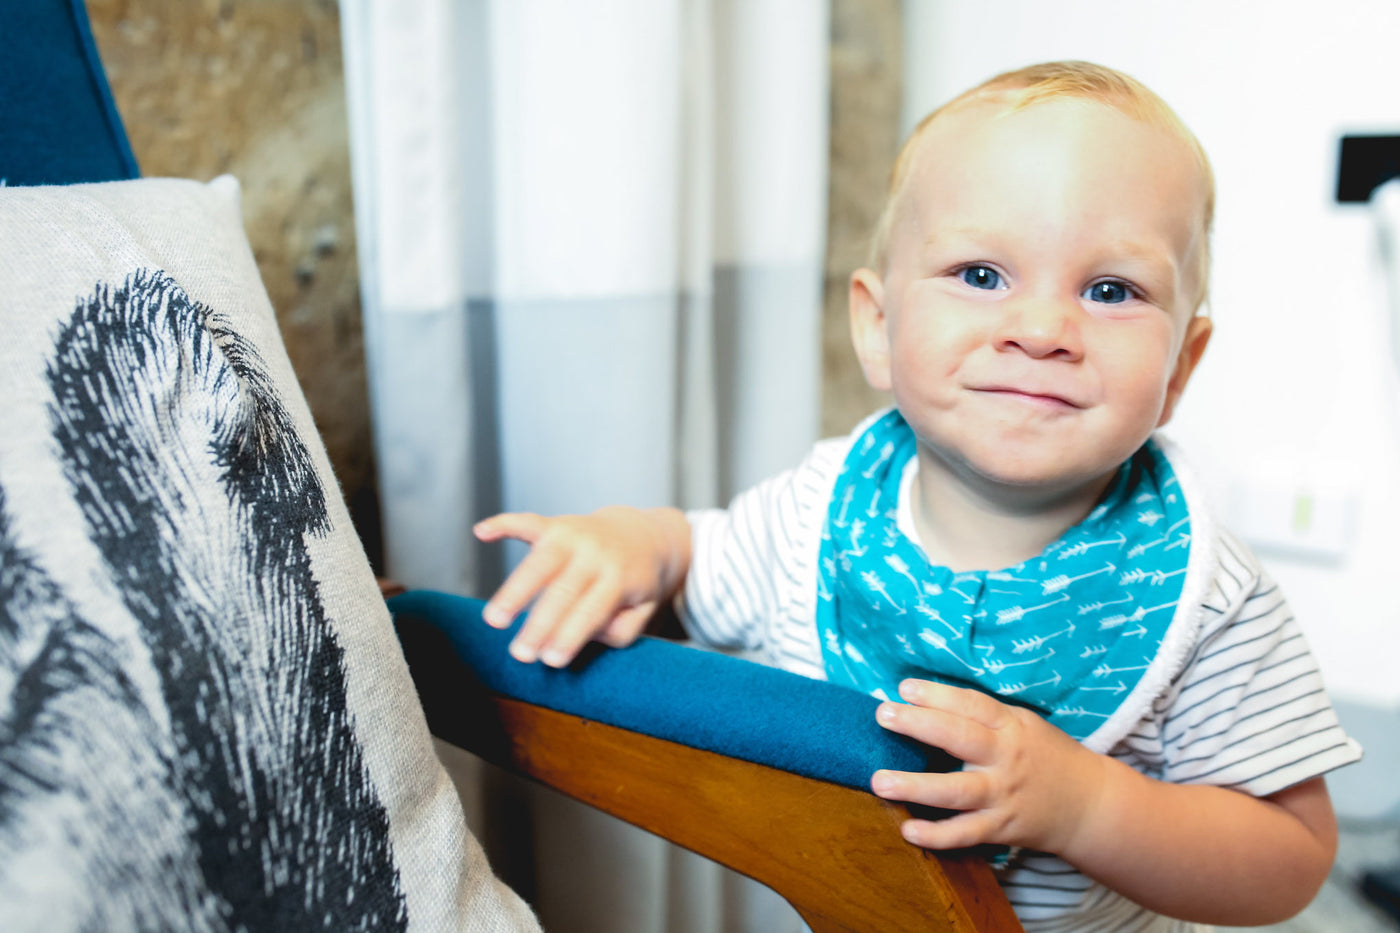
1009 550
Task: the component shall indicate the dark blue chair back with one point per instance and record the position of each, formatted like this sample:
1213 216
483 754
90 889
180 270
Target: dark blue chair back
58 123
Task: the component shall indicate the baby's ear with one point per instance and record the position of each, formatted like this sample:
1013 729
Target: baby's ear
1193 347
869 333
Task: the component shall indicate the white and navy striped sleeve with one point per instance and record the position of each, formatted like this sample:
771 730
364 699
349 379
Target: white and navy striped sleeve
752 578
1249 710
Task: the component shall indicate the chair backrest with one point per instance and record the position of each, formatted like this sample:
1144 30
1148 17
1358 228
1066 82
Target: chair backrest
58 124
831 848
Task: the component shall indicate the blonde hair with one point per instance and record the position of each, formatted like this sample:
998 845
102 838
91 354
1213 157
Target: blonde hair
1036 84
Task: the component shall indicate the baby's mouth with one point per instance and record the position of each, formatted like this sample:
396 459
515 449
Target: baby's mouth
1040 397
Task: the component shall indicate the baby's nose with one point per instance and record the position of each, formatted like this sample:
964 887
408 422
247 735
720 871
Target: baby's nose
1042 328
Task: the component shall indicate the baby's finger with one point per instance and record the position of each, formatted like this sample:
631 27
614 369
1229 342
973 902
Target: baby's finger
579 622
524 526
961 831
970 704
525 582
627 625
955 790
550 612
958 735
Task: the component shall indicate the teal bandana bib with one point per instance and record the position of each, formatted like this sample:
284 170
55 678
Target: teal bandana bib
1069 633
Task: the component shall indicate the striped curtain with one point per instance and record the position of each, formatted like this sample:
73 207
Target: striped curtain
590 238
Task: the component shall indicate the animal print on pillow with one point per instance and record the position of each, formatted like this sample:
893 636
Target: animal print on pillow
205 721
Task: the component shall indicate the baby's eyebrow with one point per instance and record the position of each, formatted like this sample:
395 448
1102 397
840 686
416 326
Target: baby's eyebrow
1135 251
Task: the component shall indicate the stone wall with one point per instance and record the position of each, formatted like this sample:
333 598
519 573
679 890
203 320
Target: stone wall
254 88
866 77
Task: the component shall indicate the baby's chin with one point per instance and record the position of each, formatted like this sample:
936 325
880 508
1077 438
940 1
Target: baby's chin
1035 483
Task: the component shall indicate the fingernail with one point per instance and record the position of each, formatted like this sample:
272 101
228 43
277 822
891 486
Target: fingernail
554 658
881 783
525 654
885 713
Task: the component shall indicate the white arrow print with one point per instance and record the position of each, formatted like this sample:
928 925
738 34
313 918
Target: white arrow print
873 508
931 613
1083 547
846 498
1154 577
1092 650
1079 711
1103 670
996 667
898 565
1020 688
869 472
872 579
1032 644
1055 584
1017 613
941 643
1182 540
1136 632
1095 607
1119 687
1137 615
1150 518
1137 550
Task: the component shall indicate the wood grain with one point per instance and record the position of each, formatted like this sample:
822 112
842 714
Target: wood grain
834 853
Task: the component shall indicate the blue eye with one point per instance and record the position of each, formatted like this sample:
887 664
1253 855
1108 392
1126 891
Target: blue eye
1108 292
981 277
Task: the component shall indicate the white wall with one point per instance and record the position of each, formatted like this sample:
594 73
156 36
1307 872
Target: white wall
1300 349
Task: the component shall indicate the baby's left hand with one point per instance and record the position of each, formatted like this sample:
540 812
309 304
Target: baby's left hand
1024 782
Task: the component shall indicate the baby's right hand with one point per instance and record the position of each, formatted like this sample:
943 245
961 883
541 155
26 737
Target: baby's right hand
596 576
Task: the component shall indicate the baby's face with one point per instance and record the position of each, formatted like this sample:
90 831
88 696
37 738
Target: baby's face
1040 287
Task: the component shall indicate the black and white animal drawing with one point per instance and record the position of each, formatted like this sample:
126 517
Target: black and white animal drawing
194 767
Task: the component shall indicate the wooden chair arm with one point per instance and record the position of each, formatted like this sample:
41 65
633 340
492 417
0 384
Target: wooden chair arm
834 853
827 845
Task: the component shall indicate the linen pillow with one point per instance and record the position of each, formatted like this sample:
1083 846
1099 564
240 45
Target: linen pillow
206 722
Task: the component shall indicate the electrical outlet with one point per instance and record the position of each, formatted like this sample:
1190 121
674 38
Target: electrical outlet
1364 162
1293 518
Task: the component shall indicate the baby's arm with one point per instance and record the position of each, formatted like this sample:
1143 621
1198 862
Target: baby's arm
1191 851
596 576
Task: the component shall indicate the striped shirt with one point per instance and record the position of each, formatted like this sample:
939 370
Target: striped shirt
1248 710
